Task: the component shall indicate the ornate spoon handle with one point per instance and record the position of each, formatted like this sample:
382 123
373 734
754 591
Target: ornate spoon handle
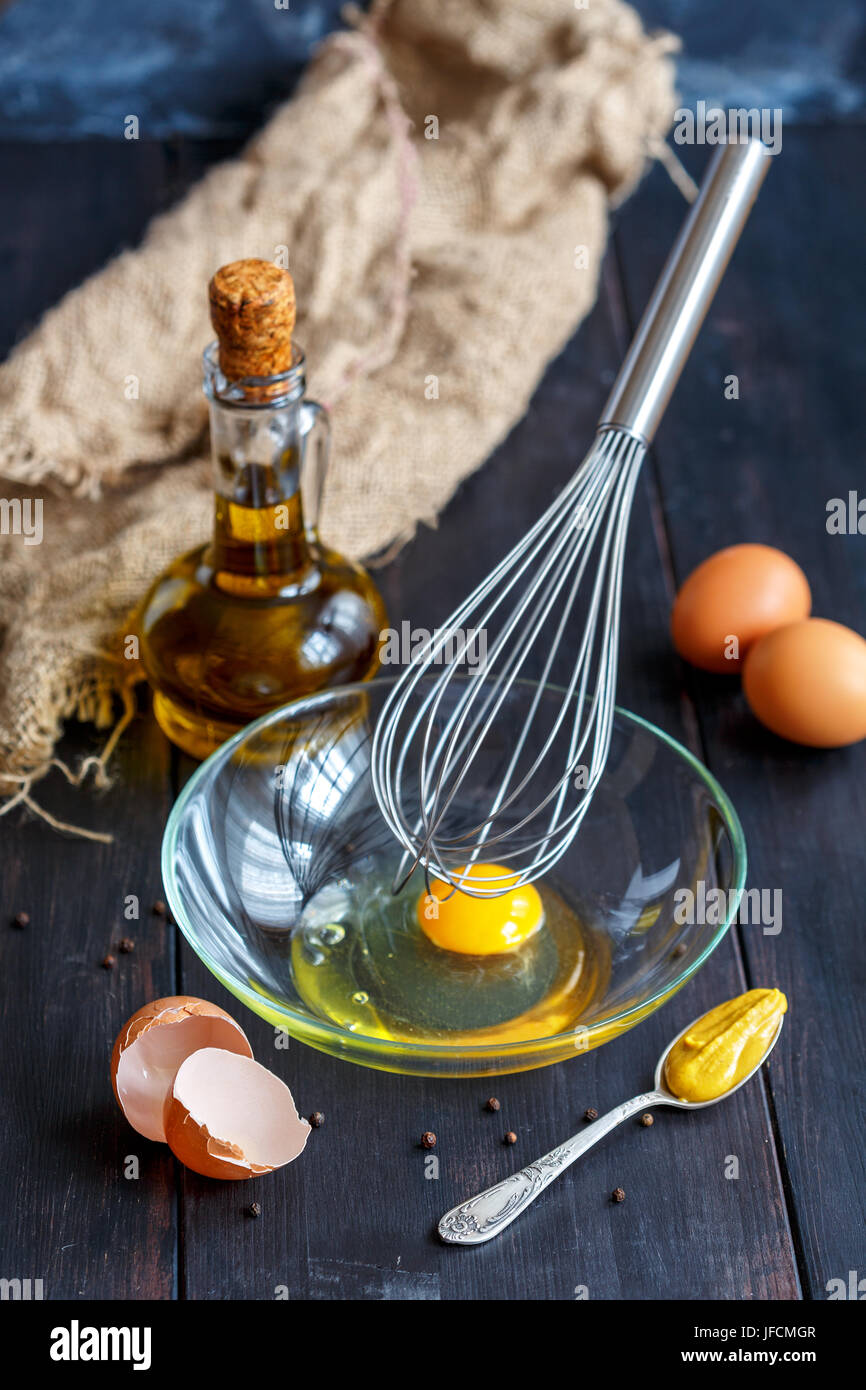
484 1216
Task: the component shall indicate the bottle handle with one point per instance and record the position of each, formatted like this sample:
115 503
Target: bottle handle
315 456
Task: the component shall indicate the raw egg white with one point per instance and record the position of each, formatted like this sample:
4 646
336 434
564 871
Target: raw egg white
807 682
480 926
744 591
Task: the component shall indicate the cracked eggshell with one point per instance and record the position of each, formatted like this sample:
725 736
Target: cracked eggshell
152 1045
229 1117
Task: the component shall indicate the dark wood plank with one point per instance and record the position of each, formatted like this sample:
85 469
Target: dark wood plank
787 321
68 209
70 1216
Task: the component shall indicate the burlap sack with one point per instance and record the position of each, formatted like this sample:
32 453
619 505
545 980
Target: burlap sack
431 182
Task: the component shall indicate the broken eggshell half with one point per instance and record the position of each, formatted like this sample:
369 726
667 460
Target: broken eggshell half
151 1046
228 1117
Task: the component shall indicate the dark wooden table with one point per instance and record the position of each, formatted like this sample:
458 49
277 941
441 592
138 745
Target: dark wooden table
354 1218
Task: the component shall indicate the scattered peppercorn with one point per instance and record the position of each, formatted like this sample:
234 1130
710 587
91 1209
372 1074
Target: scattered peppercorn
492 1104
254 1209
646 1120
21 920
510 1137
109 962
317 1119
158 908
127 945
590 1114
681 949
428 1139
618 1194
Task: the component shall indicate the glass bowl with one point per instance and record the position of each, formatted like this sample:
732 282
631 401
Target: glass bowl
283 816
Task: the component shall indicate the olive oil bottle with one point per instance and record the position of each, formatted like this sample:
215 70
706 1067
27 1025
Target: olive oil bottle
263 613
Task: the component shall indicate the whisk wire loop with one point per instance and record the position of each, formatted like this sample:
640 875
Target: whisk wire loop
430 743
439 736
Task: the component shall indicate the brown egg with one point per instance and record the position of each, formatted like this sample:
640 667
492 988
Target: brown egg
807 682
731 600
151 1046
228 1117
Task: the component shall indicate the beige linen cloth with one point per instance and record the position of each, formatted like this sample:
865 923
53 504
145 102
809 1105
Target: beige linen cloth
431 184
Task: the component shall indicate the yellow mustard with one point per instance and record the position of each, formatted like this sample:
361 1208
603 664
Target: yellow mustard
725 1045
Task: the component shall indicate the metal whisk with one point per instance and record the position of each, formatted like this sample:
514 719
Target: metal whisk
441 732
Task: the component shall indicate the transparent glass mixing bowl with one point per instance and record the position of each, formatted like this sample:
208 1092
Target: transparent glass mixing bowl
284 812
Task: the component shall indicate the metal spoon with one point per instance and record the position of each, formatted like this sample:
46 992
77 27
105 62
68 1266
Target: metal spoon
483 1217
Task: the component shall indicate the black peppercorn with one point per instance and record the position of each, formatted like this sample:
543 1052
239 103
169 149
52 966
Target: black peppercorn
618 1194
492 1104
127 945
254 1209
109 962
21 920
158 908
428 1139
510 1137
317 1119
646 1120
590 1114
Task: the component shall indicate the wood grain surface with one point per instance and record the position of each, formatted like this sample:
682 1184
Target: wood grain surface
355 1217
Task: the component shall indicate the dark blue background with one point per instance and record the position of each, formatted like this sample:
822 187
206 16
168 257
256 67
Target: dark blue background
70 69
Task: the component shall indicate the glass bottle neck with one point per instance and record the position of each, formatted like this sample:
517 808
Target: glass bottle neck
257 444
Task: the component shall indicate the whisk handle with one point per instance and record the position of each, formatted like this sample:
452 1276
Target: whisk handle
685 289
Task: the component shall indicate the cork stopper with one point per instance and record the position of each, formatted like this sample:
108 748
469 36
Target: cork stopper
252 309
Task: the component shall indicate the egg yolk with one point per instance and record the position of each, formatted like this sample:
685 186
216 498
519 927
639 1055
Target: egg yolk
480 926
